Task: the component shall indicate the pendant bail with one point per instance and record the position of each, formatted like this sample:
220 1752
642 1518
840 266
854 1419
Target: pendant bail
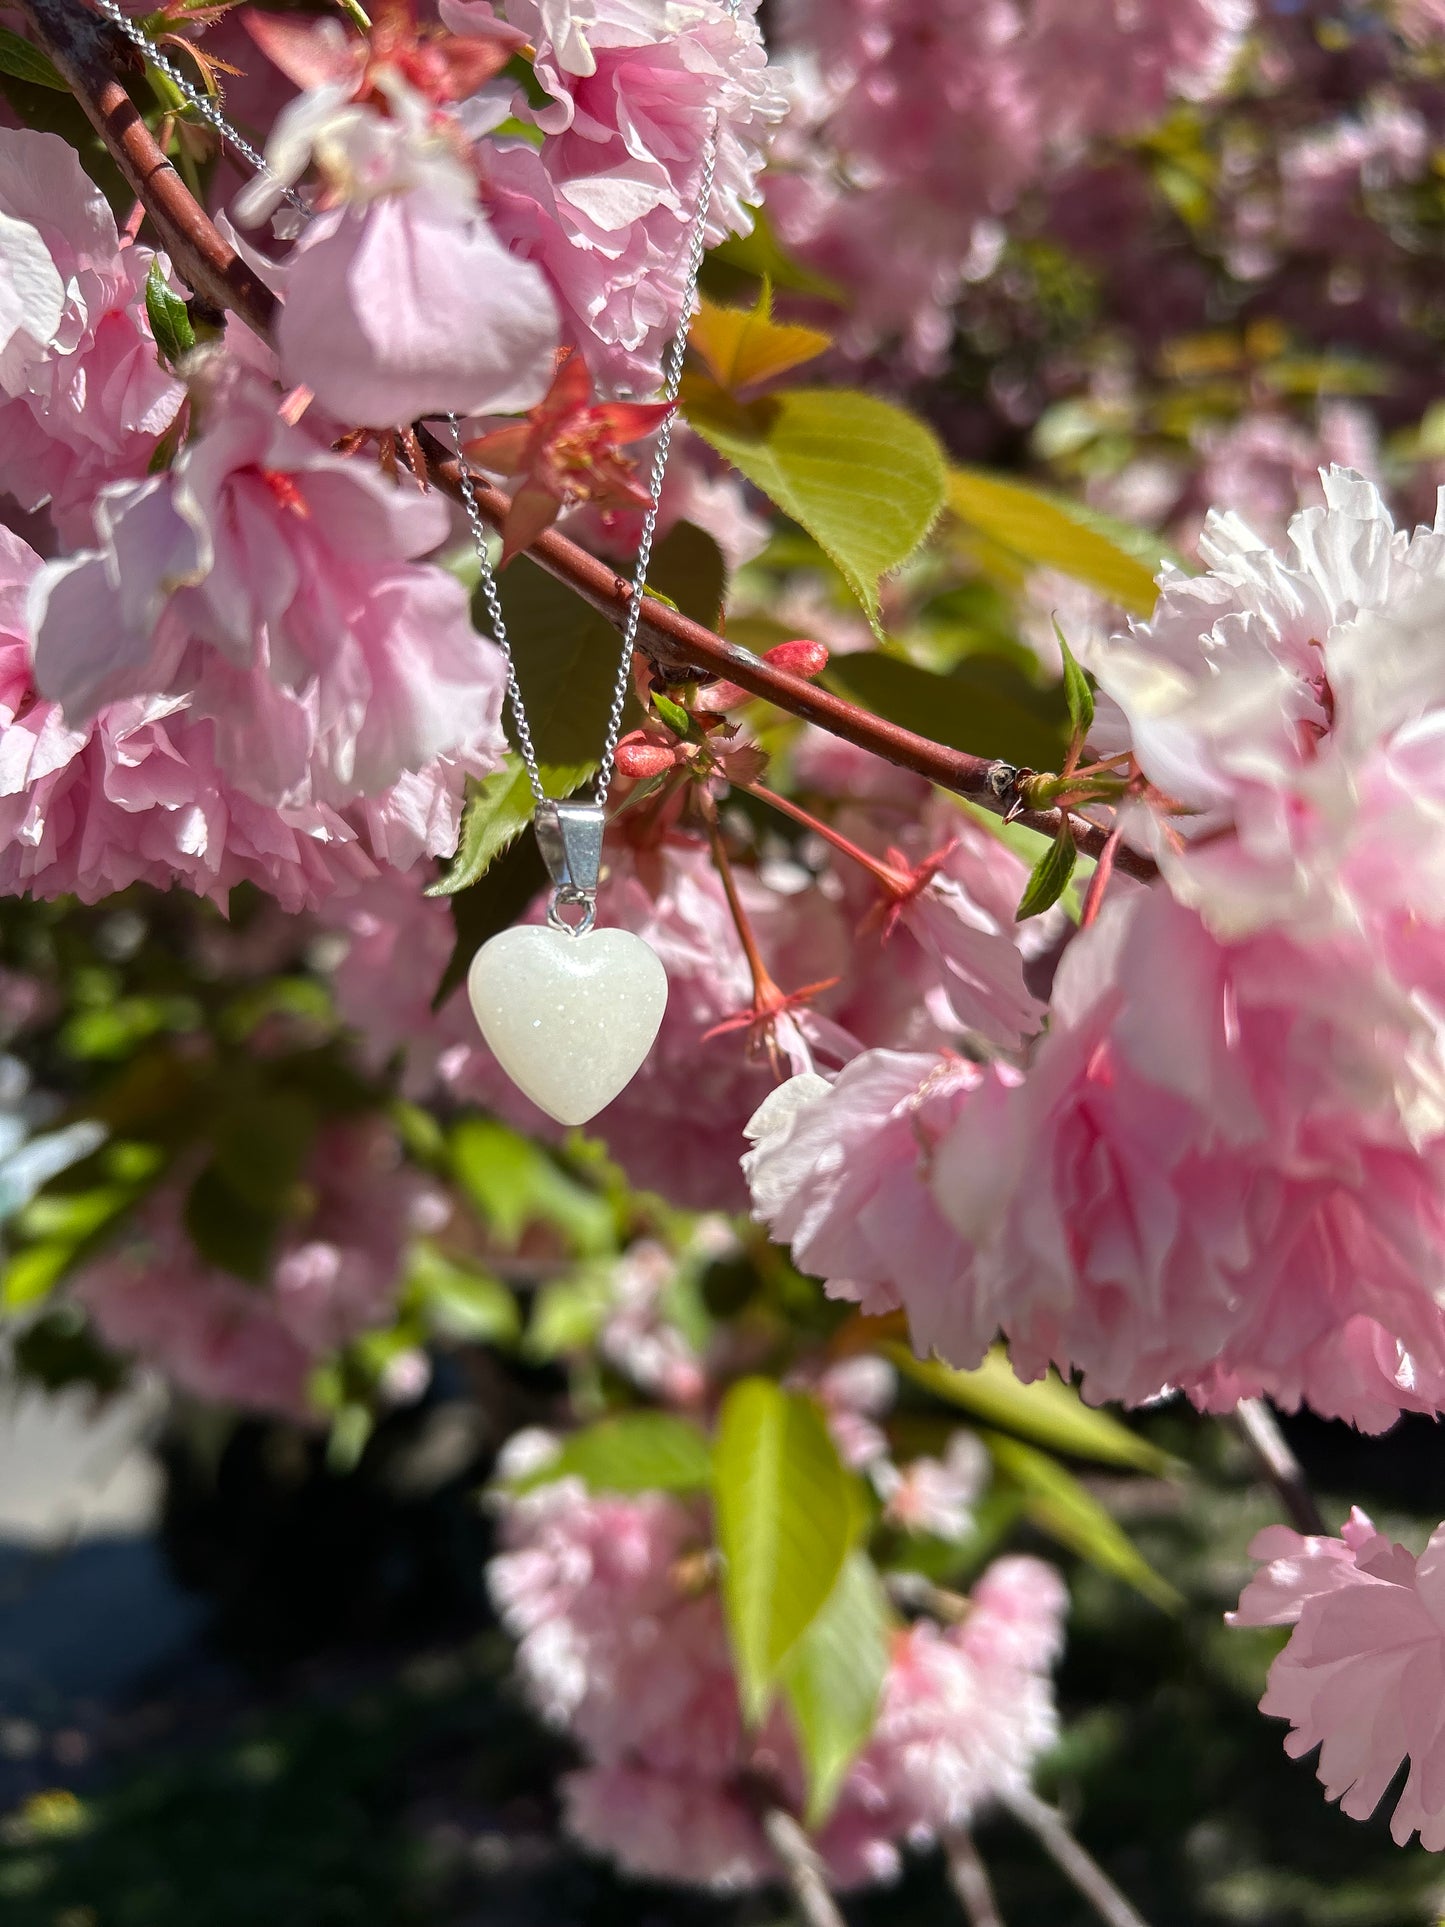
569 836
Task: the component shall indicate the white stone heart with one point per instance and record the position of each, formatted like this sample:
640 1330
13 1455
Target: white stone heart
568 1018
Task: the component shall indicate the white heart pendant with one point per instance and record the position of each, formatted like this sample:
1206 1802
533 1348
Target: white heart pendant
568 1018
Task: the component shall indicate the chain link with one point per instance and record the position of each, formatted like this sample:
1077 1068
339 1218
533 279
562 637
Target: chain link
202 102
672 382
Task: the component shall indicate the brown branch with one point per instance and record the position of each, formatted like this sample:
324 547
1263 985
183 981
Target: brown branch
1280 1466
90 54
800 1863
969 1879
1072 1859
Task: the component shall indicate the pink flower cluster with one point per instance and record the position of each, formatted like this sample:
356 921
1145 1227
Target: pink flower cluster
875 168
276 587
1221 1168
83 399
335 1274
444 262
253 675
1362 1676
622 1644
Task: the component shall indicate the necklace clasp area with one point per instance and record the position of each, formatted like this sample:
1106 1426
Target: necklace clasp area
569 836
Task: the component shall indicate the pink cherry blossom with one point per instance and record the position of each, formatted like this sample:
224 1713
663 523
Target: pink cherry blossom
400 299
274 585
83 399
1279 700
605 206
936 1495
1113 66
1011 86
1206 1177
966 1711
639 1336
622 1642
141 796
335 1274
1362 1676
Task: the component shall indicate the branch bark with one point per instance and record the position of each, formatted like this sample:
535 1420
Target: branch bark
1073 1859
969 1879
804 1870
91 55
1280 1466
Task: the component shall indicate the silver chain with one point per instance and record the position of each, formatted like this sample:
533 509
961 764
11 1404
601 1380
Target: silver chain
201 101
677 350
672 382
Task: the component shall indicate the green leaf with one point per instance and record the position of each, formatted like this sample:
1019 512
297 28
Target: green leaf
33 1273
515 1183
863 478
785 1523
261 1147
567 657
985 705
569 1312
1057 1504
1077 693
634 1452
460 1301
1051 532
228 1230
759 255
673 714
498 810
688 571
23 62
833 1678
170 321
1049 1412
1050 876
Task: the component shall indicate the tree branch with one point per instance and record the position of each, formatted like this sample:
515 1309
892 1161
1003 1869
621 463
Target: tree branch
1071 1858
90 54
803 1868
969 1880
1280 1466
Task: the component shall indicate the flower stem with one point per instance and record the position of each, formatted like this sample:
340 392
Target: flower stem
1053 1835
803 1869
883 873
765 992
969 1879
1280 1466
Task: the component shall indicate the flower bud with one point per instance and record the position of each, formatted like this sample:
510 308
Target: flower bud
640 758
799 658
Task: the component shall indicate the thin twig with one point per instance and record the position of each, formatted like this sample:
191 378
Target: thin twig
969 1879
1280 1466
90 55
1049 1828
802 1868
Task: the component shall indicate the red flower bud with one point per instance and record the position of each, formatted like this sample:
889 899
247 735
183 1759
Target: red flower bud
642 759
800 658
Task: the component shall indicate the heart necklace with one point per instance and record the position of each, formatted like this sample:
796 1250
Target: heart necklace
570 1012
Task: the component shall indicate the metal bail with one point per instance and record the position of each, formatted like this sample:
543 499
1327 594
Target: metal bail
569 836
